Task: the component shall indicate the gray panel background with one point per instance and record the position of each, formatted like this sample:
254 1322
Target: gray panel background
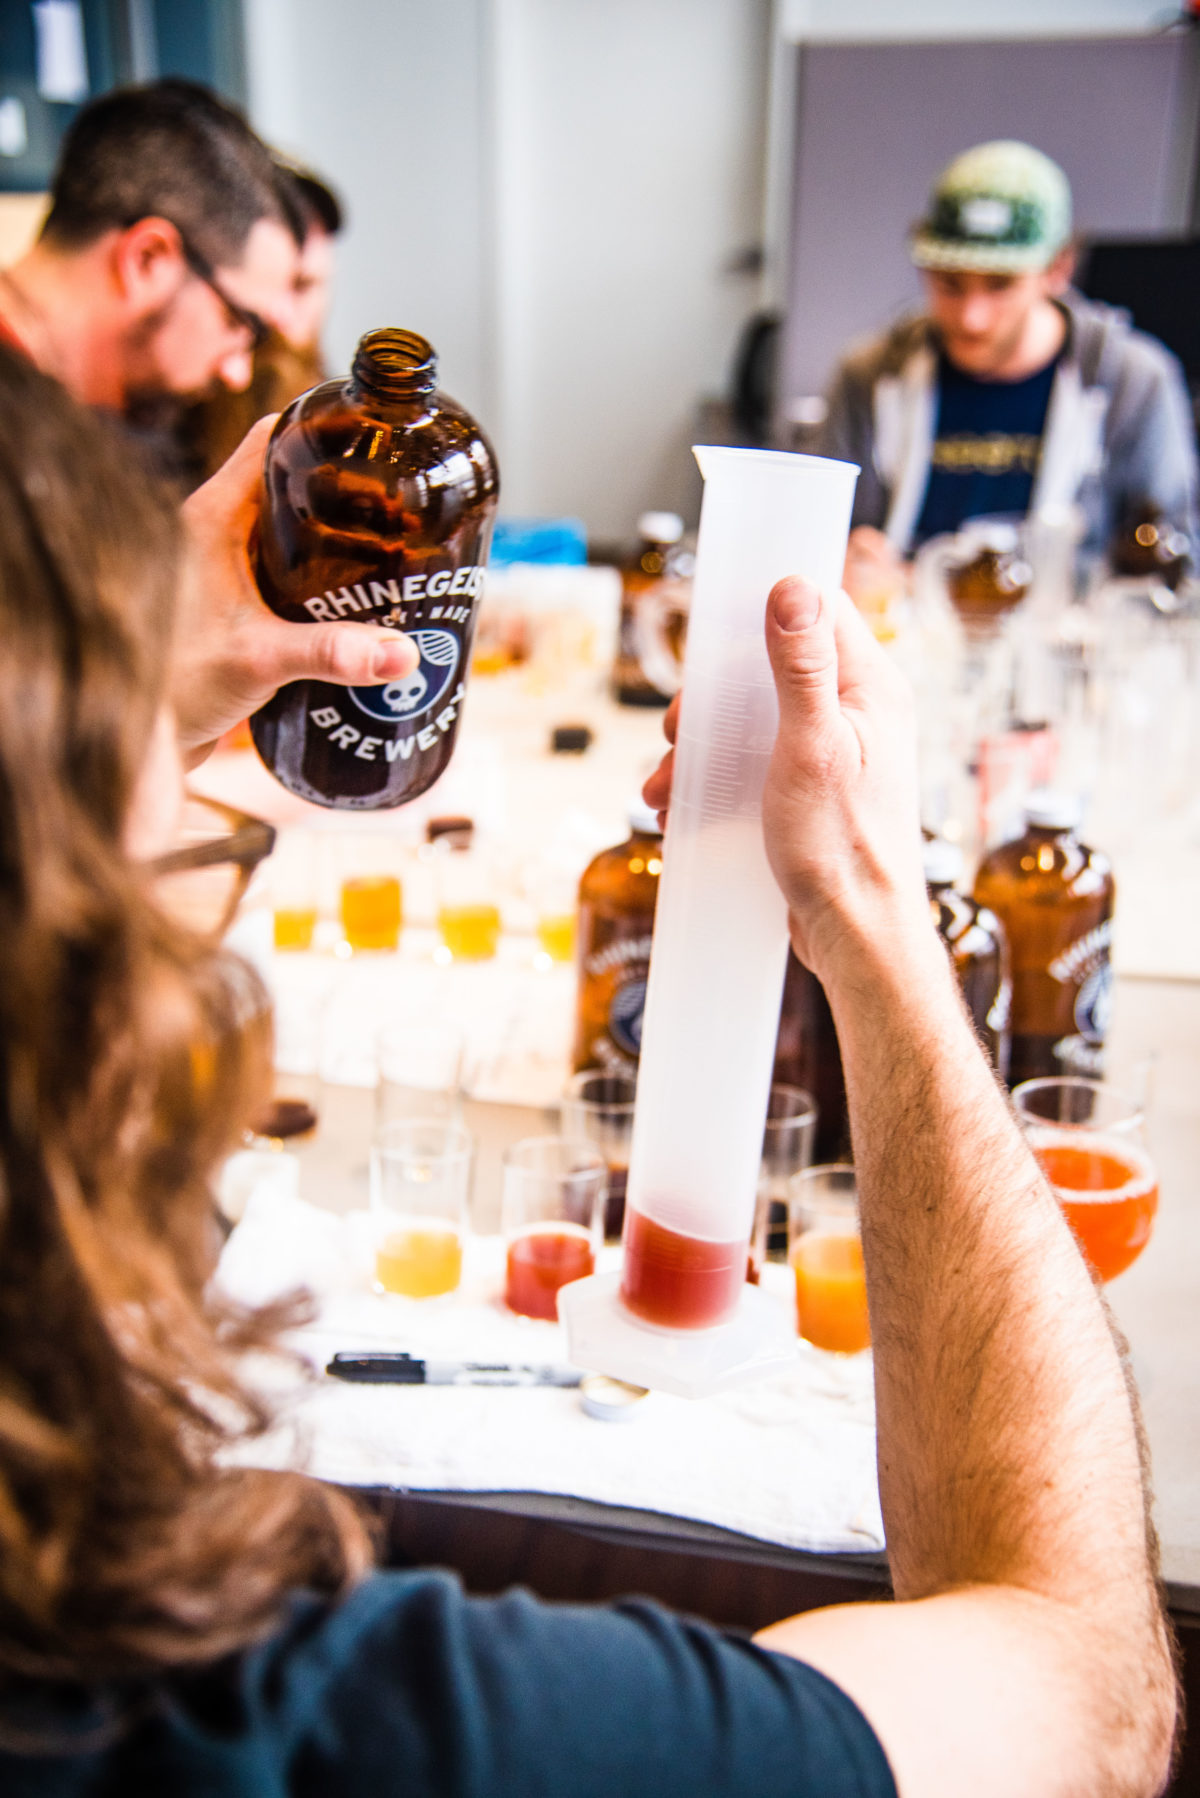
875 123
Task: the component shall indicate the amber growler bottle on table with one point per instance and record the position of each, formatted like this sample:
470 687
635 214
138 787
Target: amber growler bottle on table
978 949
657 577
617 896
379 495
807 1055
1054 897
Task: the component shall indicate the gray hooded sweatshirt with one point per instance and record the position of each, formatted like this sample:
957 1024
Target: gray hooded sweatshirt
1118 429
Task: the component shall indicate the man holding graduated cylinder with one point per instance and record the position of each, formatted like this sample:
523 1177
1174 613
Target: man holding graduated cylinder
1028 1652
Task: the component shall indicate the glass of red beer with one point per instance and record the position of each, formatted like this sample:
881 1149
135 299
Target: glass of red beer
1090 1140
552 1215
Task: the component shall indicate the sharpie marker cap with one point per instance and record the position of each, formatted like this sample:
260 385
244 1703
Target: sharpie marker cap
609 1401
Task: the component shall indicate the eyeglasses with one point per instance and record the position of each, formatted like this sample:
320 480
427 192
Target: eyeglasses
243 318
201 882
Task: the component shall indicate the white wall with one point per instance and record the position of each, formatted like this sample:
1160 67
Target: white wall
551 190
633 133
387 99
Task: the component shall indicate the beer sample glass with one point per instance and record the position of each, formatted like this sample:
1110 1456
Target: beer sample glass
420 1174
468 912
825 1252
598 1108
551 1205
420 1068
292 876
378 499
720 939
788 1139
1090 1141
371 899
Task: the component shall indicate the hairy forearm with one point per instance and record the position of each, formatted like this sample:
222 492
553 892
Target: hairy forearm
1008 1451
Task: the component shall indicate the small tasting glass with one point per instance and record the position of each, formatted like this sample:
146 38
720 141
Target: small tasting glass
825 1255
551 1207
420 1072
598 1108
420 1180
1090 1142
788 1137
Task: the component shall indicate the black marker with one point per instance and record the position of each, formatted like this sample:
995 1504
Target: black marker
396 1367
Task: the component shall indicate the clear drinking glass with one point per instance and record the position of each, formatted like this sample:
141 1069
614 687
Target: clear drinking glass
468 904
420 1182
598 1108
553 889
420 1071
788 1138
551 1209
372 899
1090 1140
825 1253
292 876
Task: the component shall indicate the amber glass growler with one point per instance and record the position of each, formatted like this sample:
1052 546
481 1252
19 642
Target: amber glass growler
617 897
379 495
978 949
1054 897
807 1055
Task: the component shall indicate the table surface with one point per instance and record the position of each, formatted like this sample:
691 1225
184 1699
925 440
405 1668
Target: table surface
1156 1040
1154 1044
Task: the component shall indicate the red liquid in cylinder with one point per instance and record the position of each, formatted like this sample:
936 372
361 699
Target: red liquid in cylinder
680 1282
540 1262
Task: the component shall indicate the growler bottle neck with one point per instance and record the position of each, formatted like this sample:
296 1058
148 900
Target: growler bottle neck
395 365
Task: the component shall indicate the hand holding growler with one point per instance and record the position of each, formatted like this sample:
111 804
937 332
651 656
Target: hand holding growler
379 497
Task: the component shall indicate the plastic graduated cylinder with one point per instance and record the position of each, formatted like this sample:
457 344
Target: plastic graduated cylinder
720 945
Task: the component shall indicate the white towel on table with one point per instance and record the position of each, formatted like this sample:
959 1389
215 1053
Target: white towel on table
789 1459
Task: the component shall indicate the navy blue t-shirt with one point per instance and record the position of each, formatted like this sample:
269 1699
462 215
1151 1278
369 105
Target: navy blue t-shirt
987 440
409 1688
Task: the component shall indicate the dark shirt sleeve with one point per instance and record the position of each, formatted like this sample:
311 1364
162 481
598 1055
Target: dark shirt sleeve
411 1688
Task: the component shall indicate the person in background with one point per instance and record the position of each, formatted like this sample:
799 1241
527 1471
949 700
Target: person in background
169 251
173 1619
1010 394
289 361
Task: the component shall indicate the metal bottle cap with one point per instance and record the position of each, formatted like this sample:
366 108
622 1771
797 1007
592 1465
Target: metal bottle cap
1051 808
943 862
660 527
609 1401
643 820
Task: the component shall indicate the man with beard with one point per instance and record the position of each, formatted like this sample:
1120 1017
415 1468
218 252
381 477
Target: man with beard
170 251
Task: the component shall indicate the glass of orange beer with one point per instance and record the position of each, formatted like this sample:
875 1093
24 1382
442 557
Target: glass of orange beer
1090 1140
468 910
420 1178
826 1258
292 877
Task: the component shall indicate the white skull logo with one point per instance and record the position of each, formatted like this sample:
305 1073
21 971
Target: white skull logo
404 695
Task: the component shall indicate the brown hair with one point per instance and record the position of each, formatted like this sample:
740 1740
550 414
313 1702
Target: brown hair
170 149
129 1053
